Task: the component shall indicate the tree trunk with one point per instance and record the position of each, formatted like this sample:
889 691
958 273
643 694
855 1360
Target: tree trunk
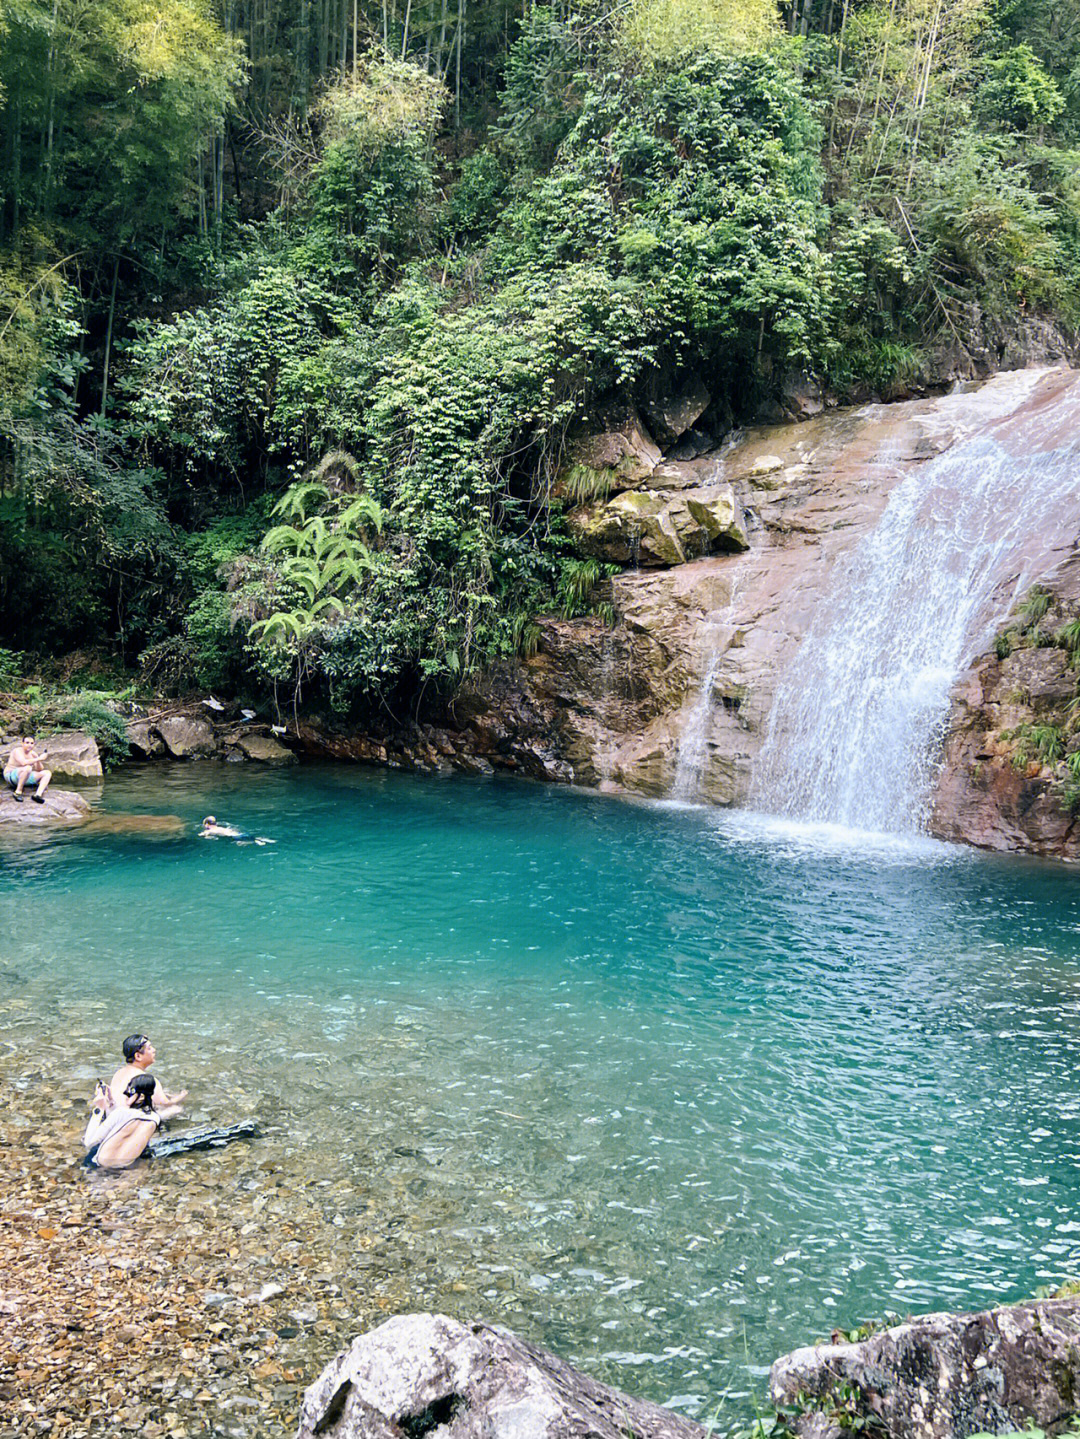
108 337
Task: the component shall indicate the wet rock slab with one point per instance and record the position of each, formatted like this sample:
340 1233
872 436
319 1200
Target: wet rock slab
59 805
428 1374
945 1375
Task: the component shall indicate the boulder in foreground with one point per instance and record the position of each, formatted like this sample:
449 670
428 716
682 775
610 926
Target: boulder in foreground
943 1376
425 1374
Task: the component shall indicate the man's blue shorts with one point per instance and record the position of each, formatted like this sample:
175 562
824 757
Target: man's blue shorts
12 777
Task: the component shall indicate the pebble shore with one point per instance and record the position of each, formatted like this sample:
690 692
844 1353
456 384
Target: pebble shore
168 1301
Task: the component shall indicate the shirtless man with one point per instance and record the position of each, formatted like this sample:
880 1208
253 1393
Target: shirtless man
139 1055
25 767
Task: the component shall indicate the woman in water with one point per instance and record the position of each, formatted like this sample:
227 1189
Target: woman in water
116 1137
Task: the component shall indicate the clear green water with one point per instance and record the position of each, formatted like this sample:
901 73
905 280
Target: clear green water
667 1090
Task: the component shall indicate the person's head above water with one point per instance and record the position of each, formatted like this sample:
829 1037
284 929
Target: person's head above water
141 1092
138 1050
208 821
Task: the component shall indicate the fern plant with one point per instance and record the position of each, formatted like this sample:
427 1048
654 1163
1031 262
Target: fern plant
324 556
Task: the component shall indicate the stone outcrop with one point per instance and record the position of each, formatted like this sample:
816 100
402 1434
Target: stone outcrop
189 732
73 755
612 705
618 456
672 411
60 806
1000 786
186 737
655 528
427 1375
263 748
144 742
942 1376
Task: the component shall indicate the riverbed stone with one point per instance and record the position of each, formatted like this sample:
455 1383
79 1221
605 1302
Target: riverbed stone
944 1376
186 736
432 1375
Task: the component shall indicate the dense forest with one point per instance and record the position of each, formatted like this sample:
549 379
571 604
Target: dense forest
300 300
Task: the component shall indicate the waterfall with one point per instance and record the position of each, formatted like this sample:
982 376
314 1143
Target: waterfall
851 737
606 748
690 761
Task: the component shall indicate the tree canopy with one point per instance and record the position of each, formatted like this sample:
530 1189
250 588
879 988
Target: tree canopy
300 301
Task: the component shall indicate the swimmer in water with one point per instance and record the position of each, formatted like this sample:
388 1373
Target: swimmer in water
211 829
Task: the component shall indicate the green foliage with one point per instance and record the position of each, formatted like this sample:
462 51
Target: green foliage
455 245
542 89
662 32
110 103
1017 92
1068 638
371 186
986 220
11 662
577 581
1070 796
1035 604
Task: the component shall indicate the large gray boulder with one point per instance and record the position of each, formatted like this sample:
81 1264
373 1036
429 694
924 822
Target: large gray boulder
425 1374
672 414
73 755
944 1376
656 528
615 458
186 736
264 748
144 742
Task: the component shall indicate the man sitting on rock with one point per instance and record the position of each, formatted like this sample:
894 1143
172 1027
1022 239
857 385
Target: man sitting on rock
26 766
139 1055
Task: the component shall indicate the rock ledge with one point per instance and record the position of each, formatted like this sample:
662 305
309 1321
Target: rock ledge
427 1375
943 1376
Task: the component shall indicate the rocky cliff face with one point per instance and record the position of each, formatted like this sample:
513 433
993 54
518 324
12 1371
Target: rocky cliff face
614 706
1007 778
729 554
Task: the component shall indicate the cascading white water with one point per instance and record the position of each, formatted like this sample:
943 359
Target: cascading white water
690 760
607 746
694 737
851 736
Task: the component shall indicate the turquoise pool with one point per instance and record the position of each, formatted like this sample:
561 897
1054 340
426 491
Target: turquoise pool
668 1090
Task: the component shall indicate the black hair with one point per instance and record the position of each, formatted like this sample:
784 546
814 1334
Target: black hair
141 1091
133 1044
